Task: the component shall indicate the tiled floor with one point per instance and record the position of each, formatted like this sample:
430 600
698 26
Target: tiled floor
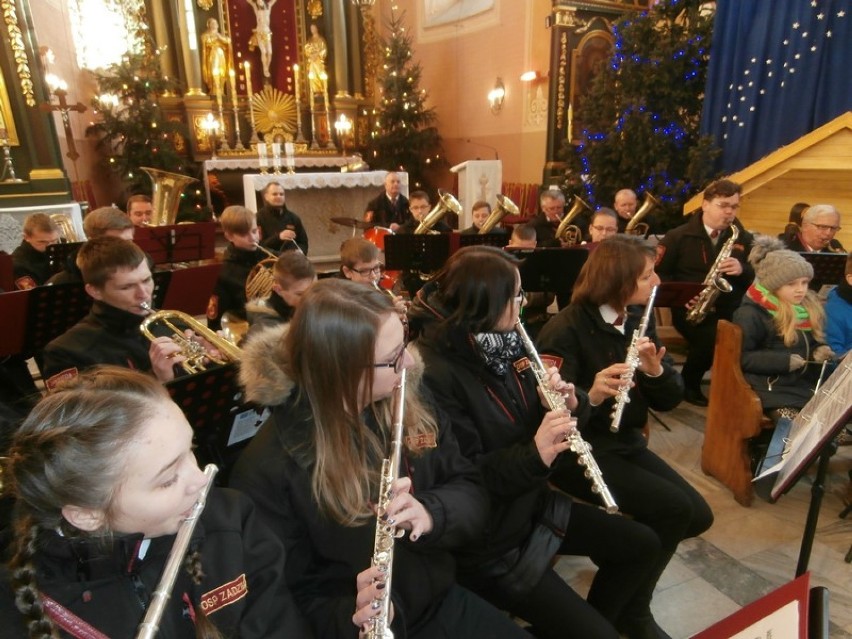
748 551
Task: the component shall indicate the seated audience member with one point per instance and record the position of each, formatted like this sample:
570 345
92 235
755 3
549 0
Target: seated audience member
280 228
241 255
117 275
104 477
794 223
591 337
545 223
313 472
838 313
419 205
140 210
783 329
103 221
820 224
604 224
475 368
479 213
30 264
523 237
293 274
389 209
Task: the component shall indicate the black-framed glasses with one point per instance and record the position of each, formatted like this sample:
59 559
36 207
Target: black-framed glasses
378 269
397 362
520 298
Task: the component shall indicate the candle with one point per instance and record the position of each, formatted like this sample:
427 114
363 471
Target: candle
570 123
276 157
261 155
232 77
296 83
290 151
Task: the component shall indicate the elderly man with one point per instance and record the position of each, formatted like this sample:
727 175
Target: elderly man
388 209
820 224
552 203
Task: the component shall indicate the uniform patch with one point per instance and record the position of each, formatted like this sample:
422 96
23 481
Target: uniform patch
661 251
425 440
224 595
213 307
25 283
60 377
551 360
522 364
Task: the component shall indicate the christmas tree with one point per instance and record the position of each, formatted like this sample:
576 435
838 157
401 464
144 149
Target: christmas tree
640 120
404 136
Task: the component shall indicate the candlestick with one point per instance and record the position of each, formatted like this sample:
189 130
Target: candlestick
276 158
238 142
250 95
261 157
224 144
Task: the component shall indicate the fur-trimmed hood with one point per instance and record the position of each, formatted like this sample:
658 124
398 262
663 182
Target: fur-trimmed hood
263 367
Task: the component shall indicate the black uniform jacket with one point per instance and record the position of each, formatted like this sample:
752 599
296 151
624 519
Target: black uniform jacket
588 344
270 311
230 289
29 266
274 220
795 243
494 419
765 359
324 557
242 591
386 212
687 253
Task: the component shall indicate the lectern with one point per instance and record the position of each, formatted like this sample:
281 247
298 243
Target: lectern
478 180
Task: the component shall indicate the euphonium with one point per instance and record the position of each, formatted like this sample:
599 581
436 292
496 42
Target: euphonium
165 197
66 227
386 532
579 446
504 207
446 202
194 352
261 279
151 623
567 232
636 226
714 283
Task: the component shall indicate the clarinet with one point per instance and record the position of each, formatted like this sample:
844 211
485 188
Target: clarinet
386 532
579 446
632 360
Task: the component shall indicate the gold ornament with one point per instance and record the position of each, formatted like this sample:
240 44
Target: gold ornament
274 114
205 4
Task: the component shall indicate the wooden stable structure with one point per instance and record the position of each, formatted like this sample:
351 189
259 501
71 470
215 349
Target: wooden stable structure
816 168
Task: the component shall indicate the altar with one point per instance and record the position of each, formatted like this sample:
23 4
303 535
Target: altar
318 197
12 221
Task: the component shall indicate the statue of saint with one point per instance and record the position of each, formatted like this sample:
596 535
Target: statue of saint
316 51
215 57
262 35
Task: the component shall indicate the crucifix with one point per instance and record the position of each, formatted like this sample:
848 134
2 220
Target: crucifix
64 108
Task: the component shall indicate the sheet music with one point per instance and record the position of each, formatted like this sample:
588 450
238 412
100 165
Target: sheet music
781 624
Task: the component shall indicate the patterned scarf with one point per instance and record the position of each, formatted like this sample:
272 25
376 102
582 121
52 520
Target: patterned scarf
499 350
760 295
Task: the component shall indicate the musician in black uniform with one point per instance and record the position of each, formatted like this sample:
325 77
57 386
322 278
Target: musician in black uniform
30 264
280 228
625 204
686 254
480 375
479 213
552 203
293 275
104 476
820 224
390 208
591 338
313 471
419 205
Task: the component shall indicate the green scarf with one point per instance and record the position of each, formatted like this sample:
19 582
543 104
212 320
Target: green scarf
760 295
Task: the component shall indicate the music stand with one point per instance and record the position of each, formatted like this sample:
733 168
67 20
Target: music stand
828 269
58 254
551 270
459 241
178 242
676 294
221 418
422 253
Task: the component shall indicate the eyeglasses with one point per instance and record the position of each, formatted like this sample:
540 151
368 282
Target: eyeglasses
369 270
398 360
727 206
824 227
520 298
605 229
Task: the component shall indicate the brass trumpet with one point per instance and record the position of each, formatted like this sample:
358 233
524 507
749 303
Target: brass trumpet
569 233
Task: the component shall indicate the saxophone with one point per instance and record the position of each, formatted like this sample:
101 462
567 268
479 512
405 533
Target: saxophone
579 446
632 360
714 283
386 532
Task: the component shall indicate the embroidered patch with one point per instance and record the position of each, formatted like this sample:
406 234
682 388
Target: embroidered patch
224 595
661 251
522 364
25 283
425 440
213 307
551 360
60 377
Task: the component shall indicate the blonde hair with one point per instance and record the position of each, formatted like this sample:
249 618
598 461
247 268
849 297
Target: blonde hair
785 319
237 219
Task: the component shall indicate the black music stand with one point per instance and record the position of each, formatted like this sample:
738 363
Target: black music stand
178 242
221 418
52 310
58 254
459 241
420 253
828 269
551 270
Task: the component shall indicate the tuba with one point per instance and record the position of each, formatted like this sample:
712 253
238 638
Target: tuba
66 227
504 207
636 226
714 283
194 352
165 197
566 232
446 203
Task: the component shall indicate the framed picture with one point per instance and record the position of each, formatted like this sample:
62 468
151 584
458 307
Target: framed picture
7 118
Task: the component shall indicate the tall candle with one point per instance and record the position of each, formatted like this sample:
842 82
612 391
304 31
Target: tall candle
276 157
232 76
261 155
296 83
290 153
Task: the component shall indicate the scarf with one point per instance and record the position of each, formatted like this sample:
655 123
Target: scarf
499 350
766 300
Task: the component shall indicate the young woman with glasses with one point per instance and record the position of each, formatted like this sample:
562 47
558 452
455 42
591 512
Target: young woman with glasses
314 470
479 373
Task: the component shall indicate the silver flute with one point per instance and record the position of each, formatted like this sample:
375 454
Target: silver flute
632 360
578 445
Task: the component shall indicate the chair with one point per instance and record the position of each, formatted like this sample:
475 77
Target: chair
734 416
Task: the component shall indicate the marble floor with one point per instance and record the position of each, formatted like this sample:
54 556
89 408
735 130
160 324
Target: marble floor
748 552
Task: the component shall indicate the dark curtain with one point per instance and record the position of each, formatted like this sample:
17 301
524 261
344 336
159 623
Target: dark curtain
778 70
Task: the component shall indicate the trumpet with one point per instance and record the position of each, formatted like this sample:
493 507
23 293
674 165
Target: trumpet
194 353
579 446
714 283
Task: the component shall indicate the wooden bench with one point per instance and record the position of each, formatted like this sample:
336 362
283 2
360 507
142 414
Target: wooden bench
734 416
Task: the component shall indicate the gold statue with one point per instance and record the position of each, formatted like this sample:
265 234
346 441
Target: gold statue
316 51
215 58
262 34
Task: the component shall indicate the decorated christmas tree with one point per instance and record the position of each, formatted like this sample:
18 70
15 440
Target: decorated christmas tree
640 120
403 135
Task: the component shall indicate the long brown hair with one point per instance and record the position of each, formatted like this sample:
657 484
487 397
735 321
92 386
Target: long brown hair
330 349
609 275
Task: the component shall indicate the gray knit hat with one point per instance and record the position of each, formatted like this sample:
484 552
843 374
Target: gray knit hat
774 265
